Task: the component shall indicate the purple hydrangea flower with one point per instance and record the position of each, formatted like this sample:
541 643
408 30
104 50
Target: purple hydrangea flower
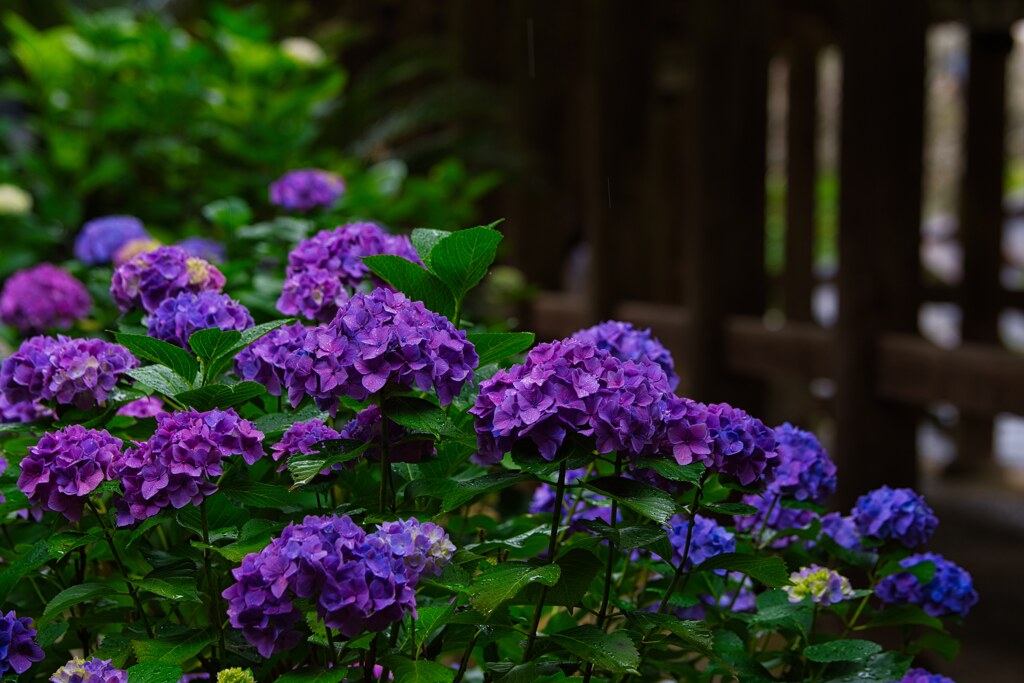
265 359
822 585
147 406
366 427
81 372
804 471
22 411
922 676
177 466
841 529
89 671
101 237
625 342
41 298
359 582
206 249
149 278
709 539
743 447
778 517
301 439
566 387
897 514
949 592
306 189
378 340
591 505
175 319
18 647
324 269
65 466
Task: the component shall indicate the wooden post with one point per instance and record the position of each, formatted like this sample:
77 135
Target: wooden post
801 176
879 225
724 259
981 221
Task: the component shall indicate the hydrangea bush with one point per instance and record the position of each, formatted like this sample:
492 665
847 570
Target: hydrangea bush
442 502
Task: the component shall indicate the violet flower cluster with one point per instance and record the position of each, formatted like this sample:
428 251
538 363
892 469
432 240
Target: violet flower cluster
22 411
302 438
18 647
804 471
950 592
380 340
324 269
206 249
899 515
65 466
626 342
305 189
742 446
923 676
149 278
176 318
91 670
709 538
358 581
177 465
100 238
841 529
140 408
567 387
42 298
80 372
366 427
265 360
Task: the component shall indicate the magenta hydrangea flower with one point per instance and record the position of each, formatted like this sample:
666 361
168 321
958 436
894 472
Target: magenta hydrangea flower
176 318
149 278
306 189
80 372
264 360
91 670
206 249
949 592
42 298
774 516
324 269
65 466
147 406
18 647
923 676
899 515
380 340
359 582
567 387
366 427
100 238
22 411
684 431
177 466
626 342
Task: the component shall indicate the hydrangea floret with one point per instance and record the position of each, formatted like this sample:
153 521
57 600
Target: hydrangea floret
149 278
949 592
147 406
265 360
91 670
204 248
898 515
626 342
100 238
823 586
924 676
176 318
305 189
18 647
43 298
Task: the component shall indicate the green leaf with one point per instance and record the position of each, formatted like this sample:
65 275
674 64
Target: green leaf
161 379
771 571
628 537
115 648
503 582
902 615
413 281
220 395
578 568
154 672
212 342
495 346
222 362
696 634
304 468
229 213
220 514
671 470
848 650
461 259
883 668
175 649
256 535
612 652
943 644
424 239
76 595
172 587
313 676
465 491
418 671
174 357
732 509
274 424
51 548
259 495
637 496
416 414
430 619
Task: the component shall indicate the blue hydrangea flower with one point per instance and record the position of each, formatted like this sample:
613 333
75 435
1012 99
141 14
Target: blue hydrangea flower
709 539
152 276
804 471
899 515
305 189
43 298
949 592
625 342
742 446
176 318
206 249
18 647
841 529
922 676
101 237
89 671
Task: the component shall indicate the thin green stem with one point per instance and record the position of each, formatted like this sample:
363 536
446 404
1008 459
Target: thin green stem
556 518
412 638
330 645
608 570
764 522
211 585
124 571
464 662
681 571
386 502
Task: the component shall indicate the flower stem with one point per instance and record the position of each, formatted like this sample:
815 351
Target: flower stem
124 572
464 662
333 659
608 570
556 518
764 522
681 571
211 585
387 502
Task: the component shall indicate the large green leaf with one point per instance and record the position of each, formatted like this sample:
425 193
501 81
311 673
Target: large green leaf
637 496
259 495
416 414
612 652
313 676
418 671
154 672
696 634
174 649
50 548
174 357
465 491
212 343
882 668
495 346
671 470
771 571
578 568
461 259
424 239
503 582
274 424
848 650
175 588
220 395
430 619
222 362
75 595
903 615
626 538
414 282
304 468
161 379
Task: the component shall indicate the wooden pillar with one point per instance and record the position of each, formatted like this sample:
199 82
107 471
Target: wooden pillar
981 220
724 259
879 225
801 176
